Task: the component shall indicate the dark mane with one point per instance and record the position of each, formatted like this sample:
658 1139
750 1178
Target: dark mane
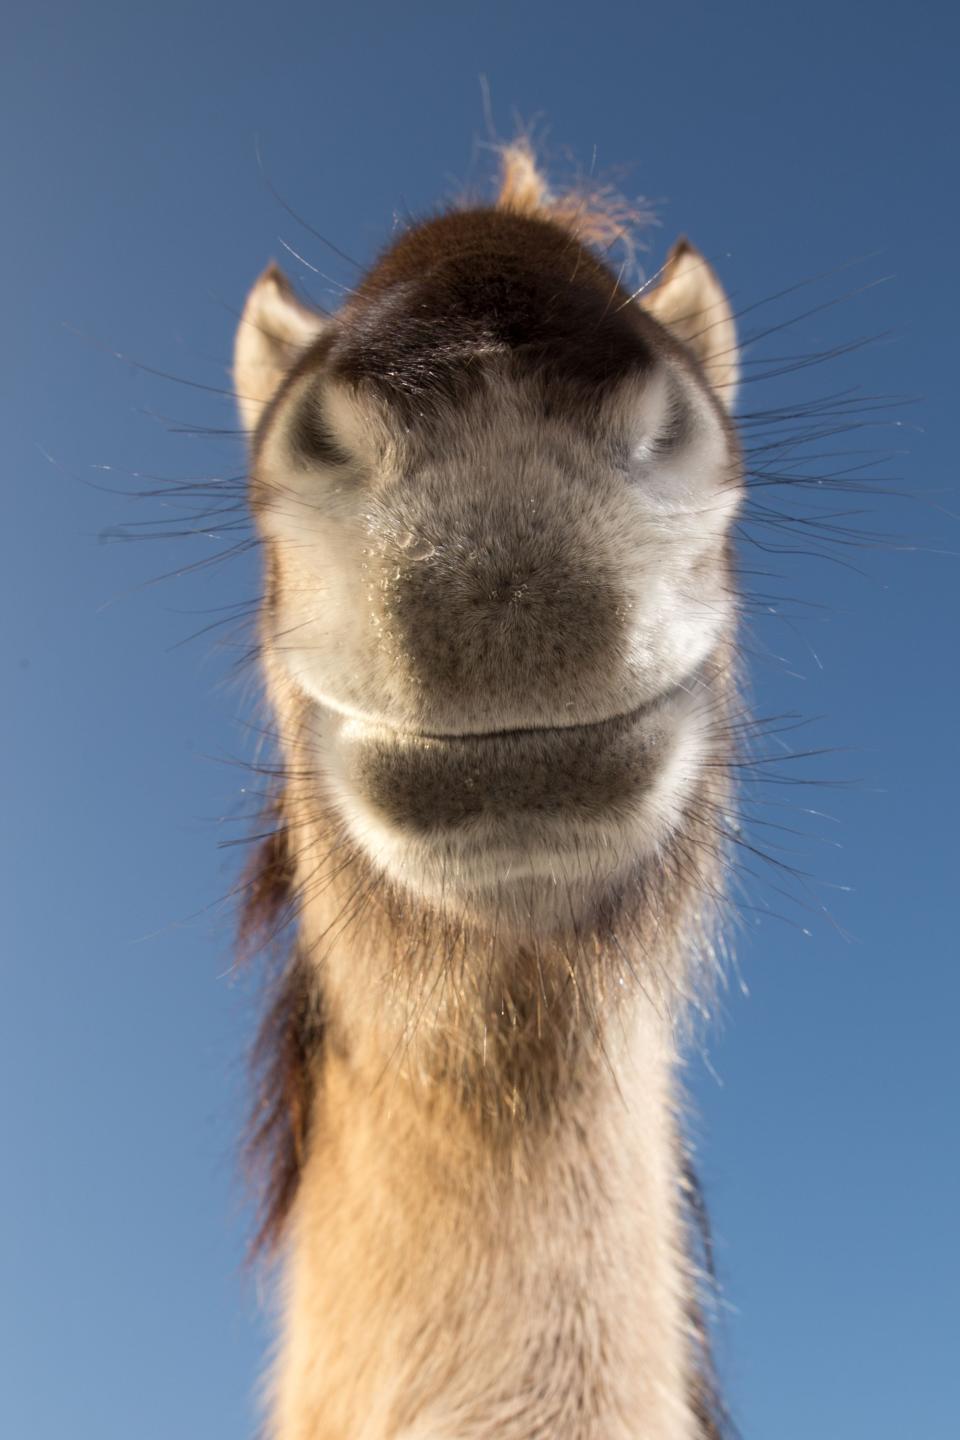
288 1043
706 1400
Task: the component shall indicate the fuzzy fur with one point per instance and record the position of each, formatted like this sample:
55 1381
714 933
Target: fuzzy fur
495 495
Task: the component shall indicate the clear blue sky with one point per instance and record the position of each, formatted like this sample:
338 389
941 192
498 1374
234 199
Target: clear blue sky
785 141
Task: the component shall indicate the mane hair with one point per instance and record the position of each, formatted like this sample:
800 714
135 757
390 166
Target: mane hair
289 1039
595 212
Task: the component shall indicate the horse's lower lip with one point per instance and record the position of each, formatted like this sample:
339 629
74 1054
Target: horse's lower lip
456 818
503 781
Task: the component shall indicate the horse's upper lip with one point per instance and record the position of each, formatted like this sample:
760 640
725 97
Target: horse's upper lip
636 712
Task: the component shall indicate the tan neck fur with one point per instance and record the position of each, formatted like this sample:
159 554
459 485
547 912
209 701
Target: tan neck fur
452 1279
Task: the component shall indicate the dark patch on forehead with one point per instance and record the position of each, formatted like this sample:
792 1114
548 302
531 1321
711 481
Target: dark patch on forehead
421 322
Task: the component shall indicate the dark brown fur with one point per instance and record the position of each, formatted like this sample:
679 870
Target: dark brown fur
288 1045
485 277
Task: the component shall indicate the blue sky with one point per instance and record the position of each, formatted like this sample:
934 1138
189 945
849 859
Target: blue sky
786 142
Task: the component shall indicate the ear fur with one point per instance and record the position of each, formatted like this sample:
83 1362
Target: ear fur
274 329
690 301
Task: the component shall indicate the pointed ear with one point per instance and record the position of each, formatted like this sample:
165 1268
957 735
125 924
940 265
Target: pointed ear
274 329
690 301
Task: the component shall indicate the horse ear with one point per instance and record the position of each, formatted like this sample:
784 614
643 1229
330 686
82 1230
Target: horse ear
690 301
274 329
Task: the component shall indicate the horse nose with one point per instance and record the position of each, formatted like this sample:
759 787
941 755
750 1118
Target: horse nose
493 626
